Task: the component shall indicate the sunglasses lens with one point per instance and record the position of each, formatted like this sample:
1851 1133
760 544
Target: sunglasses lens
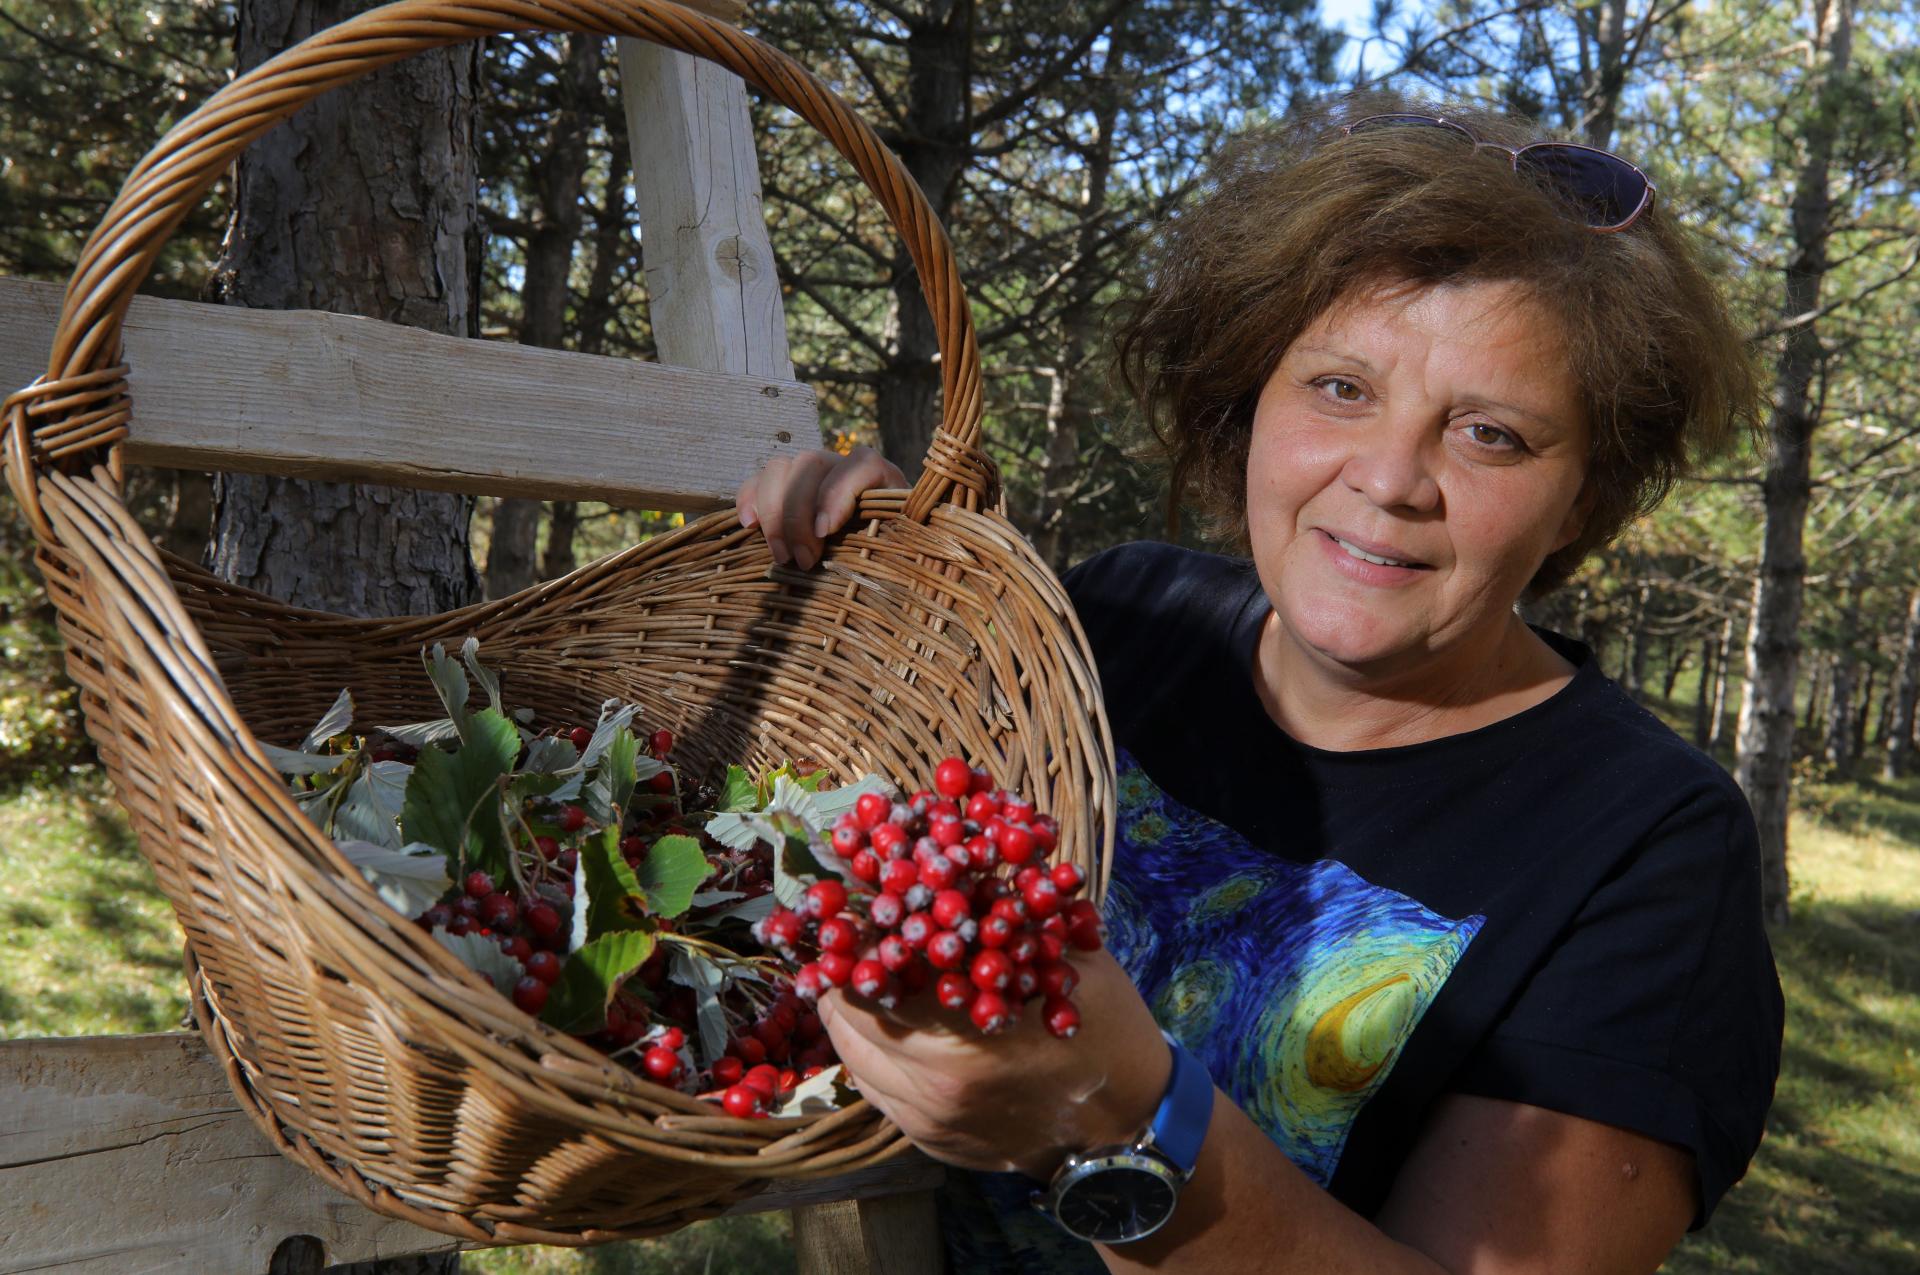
1607 189
1372 122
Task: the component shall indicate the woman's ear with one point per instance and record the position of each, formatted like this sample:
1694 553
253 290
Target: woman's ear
1576 519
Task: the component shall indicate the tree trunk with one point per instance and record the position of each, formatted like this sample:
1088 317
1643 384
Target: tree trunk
1069 410
558 559
362 203
1703 697
1765 763
1904 693
1633 672
934 148
1836 746
1862 713
1600 91
1676 657
559 177
1816 695
342 208
1722 664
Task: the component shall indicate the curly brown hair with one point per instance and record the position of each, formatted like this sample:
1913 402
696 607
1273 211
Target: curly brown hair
1297 216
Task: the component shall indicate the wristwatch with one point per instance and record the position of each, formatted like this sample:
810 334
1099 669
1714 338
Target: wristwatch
1115 1195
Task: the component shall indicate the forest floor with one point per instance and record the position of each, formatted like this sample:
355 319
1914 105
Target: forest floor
87 945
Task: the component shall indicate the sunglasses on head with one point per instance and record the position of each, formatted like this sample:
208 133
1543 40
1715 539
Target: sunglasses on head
1610 192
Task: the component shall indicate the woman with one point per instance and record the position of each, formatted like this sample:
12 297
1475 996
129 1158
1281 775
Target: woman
1467 944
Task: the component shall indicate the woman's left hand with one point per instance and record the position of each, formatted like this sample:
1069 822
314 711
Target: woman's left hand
1019 1101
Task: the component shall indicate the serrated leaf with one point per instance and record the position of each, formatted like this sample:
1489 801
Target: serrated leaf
410 880
478 952
615 900
738 792
549 755
708 980
578 1001
795 867
740 830
671 872
613 717
370 809
757 908
713 898
451 684
421 734
606 796
288 761
333 722
453 799
489 682
815 1096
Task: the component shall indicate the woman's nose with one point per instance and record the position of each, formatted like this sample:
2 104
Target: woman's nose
1392 465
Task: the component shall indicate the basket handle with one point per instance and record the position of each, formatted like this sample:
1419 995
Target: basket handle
82 403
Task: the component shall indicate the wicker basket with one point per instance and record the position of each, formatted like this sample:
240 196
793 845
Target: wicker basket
361 1047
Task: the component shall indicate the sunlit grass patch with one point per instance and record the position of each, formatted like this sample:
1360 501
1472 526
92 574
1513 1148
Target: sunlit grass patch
90 946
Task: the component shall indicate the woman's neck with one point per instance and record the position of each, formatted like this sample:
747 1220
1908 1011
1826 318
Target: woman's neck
1342 710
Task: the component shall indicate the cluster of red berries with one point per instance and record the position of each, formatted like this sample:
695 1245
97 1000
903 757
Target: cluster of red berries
948 889
784 1045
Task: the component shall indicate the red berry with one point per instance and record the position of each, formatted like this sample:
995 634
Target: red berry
741 1102
992 971
1061 1017
939 872
749 1049
783 928
479 884
979 781
672 1038
662 1064
1067 877
899 876
1042 897
572 818
727 1070
950 907
461 924
894 953
824 899
1046 831
851 843
580 736
771 1036
809 1028
871 809
1053 945
517 947
661 784
661 743
889 841
549 848
835 968
838 934
542 919
763 1080
917 929
995 931
870 978
946 950
1023 948
1025 982
954 991
952 777
981 807
946 830
1016 843
807 983
1057 978
500 911
887 909
530 994
1017 809
990 1012
1010 909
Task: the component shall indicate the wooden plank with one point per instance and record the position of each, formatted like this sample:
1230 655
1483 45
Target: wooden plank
898 1235
148 1122
712 292
334 396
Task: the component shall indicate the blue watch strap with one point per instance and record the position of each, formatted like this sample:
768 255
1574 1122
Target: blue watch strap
1180 1125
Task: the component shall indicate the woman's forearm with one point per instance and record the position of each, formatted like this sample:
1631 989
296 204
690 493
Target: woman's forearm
1249 1208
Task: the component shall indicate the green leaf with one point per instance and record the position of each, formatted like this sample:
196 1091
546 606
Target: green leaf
671 872
334 722
453 799
410 880
708 980
613 718
478 952
489 681
614 899
613 781
290 761
591 976
451 683
551 755
739 791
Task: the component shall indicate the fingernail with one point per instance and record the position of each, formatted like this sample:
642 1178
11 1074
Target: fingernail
803 556
749 519
820 525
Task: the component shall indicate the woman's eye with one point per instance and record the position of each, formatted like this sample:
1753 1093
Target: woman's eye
1344 390
1491 435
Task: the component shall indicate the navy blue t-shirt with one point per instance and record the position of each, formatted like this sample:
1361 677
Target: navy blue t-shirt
1560 909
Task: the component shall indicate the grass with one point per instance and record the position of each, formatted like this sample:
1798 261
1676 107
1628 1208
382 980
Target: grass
91 947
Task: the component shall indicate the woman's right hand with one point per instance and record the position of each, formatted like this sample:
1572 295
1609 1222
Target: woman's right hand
798 501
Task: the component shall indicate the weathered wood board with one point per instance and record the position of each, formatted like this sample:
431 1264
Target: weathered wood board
334 396
128 1153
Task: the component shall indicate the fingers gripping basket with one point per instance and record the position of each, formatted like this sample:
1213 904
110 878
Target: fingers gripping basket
361 1047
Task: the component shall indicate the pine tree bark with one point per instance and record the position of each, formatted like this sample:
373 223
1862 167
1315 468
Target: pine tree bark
1722 664
1764 764
559 175
1862 712
934 146
1677 658
363 203
1905 692
1703 698
1836 746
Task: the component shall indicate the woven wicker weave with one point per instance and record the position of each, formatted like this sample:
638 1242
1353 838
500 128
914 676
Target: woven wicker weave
360 1046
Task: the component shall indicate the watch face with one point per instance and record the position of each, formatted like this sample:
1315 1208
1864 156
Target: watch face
1115 1202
